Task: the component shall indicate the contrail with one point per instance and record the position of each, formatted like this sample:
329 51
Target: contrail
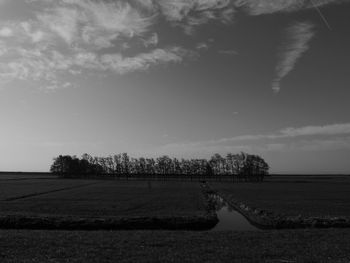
322 16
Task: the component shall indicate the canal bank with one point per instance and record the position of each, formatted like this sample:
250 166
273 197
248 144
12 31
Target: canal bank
263 219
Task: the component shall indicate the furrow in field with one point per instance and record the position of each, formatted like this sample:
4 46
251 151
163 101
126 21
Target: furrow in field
28 179
48 192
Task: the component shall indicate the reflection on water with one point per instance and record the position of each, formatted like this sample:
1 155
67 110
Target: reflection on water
229 219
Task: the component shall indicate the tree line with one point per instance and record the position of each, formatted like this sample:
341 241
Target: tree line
122 164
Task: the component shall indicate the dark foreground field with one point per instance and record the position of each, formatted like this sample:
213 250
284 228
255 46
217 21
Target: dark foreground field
169 246
67 198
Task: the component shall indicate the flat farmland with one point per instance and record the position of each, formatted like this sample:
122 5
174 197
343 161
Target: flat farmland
24 176
308 196
89 198
20 189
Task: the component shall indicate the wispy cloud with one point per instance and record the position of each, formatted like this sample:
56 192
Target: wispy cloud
202 46
153 40
177 10
6 32
334 129
291 132
260 7
327 137
94 23
42 65
190 14
299 34
297 43
72 36
143 61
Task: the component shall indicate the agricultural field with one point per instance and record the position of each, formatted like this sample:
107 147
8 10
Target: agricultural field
75 198
93 198
24 176
307 196
11 190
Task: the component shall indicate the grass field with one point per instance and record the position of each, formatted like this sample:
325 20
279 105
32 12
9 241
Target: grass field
19 189
309 196
294 195
23 175
289 195
285 246
66 197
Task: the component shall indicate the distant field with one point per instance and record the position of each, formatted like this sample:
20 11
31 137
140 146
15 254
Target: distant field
22 194
308 178
294 195
91 198
24 176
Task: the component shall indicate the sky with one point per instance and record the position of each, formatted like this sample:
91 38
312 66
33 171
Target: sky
184 78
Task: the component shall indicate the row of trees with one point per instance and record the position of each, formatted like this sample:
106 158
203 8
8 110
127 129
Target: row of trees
123 164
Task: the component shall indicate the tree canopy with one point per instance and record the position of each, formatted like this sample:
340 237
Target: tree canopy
123 164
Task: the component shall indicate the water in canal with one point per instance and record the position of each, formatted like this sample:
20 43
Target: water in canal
230 219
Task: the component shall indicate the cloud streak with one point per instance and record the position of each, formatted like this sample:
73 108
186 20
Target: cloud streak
291 132
143 61
42 65
334 129
327 137
192 13
298 37
262 7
